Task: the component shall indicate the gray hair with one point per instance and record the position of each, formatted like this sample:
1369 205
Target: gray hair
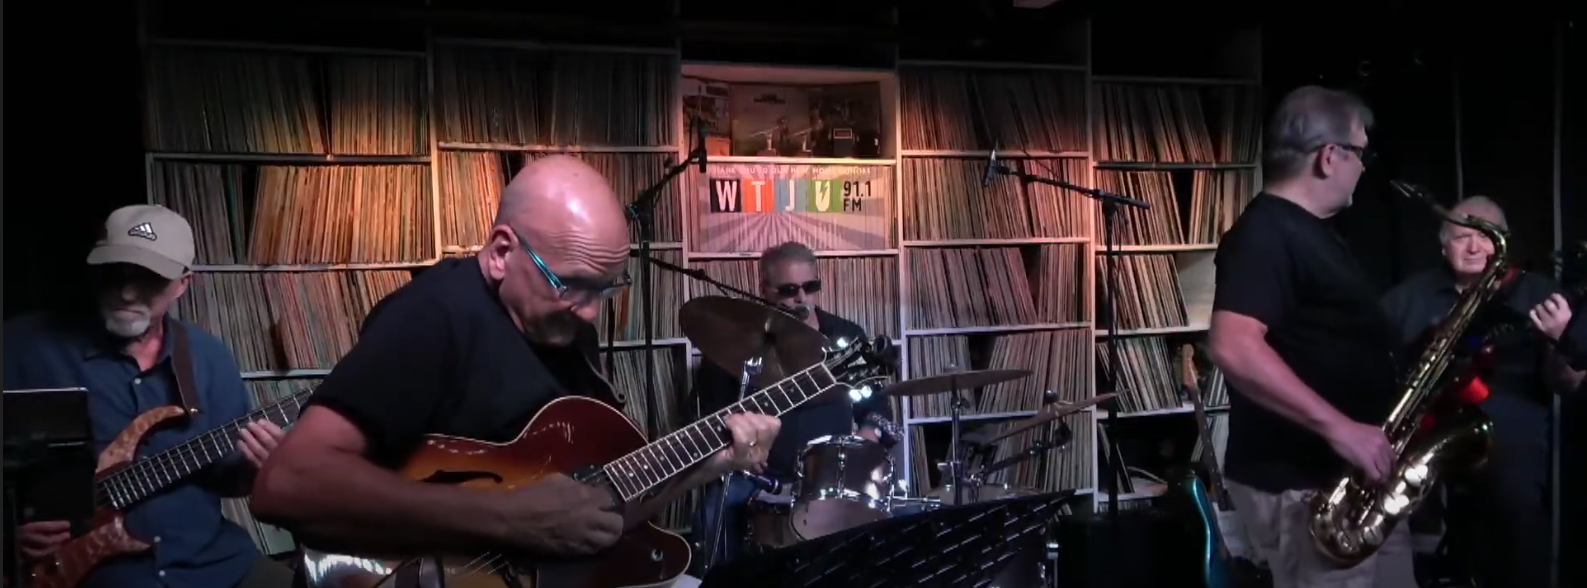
783 253
1481 207
1304 121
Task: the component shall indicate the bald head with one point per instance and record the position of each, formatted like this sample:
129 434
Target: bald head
562 194
560 245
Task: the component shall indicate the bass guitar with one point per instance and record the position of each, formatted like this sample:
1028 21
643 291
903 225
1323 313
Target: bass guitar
596 444
1207 501
121 480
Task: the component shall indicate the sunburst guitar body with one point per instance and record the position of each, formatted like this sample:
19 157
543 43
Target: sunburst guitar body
566 436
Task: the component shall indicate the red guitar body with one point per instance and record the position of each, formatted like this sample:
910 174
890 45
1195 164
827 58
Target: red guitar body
108 537
568 435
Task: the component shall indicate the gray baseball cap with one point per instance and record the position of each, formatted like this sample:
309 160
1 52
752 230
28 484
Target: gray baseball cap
149 236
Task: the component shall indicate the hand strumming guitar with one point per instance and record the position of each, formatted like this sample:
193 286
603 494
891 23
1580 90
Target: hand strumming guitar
39 539
561 516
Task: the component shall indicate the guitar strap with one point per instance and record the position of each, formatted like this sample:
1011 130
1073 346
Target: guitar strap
182 364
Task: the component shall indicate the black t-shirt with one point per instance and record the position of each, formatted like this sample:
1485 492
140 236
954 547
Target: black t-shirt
442 356
1287 268
823 416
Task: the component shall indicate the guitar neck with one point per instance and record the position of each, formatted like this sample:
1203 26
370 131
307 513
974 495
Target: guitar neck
145 477
637 473
1209 452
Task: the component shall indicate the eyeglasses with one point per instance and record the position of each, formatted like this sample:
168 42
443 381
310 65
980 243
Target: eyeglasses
810 287
574 290
1364 154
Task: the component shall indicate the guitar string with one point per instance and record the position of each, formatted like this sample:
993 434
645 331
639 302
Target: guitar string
131 480
147 467
719 416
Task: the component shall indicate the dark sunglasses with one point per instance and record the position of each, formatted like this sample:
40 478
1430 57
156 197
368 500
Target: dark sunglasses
810 287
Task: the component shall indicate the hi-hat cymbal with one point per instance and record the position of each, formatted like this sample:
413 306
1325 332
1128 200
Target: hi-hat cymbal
953 382
1050 413
730 331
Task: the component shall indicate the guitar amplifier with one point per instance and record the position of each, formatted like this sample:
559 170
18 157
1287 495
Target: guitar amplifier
1156 548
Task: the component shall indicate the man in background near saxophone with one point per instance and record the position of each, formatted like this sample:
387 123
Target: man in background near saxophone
1298 332
1508 498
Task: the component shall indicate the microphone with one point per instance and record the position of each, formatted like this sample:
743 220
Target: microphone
699 133
991 170
762 482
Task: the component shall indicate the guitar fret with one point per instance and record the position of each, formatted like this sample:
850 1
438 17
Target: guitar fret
150 474
649 466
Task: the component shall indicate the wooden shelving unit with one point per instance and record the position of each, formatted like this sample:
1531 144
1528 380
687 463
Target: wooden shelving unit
958 275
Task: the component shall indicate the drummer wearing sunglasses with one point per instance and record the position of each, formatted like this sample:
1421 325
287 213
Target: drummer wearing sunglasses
789 276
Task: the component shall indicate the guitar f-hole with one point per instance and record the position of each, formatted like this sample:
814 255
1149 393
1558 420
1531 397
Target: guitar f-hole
509 576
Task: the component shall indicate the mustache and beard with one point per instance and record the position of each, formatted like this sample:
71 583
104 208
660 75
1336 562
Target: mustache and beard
128 321
799 311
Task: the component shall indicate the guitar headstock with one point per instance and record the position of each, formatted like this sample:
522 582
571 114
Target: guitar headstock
862 362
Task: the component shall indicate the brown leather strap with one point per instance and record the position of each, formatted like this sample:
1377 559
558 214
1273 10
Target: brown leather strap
182 363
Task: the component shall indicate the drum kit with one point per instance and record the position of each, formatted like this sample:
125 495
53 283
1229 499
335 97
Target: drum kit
846 481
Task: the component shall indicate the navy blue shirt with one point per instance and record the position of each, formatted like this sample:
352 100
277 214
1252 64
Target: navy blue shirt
194 545
1520 403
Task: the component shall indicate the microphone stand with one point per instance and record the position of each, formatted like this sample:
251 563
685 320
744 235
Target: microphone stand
1110 208
642 212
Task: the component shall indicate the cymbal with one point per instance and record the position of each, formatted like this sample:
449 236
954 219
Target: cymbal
1050 413
730 331
951 382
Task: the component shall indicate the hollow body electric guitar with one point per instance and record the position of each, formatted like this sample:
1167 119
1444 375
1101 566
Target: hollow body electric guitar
122 481
596 444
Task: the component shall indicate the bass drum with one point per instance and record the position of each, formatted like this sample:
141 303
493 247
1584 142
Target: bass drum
844 482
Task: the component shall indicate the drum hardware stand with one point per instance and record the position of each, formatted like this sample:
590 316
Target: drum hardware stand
751 369
955 462
1110 209
642 212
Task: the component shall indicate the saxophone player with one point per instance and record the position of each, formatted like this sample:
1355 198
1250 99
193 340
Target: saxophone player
1306 349
1506 502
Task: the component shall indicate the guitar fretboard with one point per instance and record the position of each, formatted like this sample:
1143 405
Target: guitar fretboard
638 472
145 477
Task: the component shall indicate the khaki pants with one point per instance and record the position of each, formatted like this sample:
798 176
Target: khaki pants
1277 527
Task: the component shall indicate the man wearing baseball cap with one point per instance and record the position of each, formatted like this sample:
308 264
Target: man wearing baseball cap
121 346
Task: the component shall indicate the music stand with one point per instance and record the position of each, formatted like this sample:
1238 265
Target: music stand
49 462
953 547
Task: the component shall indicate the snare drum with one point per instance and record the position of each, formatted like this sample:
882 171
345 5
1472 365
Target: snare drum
982 493
770 526
844 482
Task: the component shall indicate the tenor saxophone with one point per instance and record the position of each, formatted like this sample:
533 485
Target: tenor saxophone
1353 519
